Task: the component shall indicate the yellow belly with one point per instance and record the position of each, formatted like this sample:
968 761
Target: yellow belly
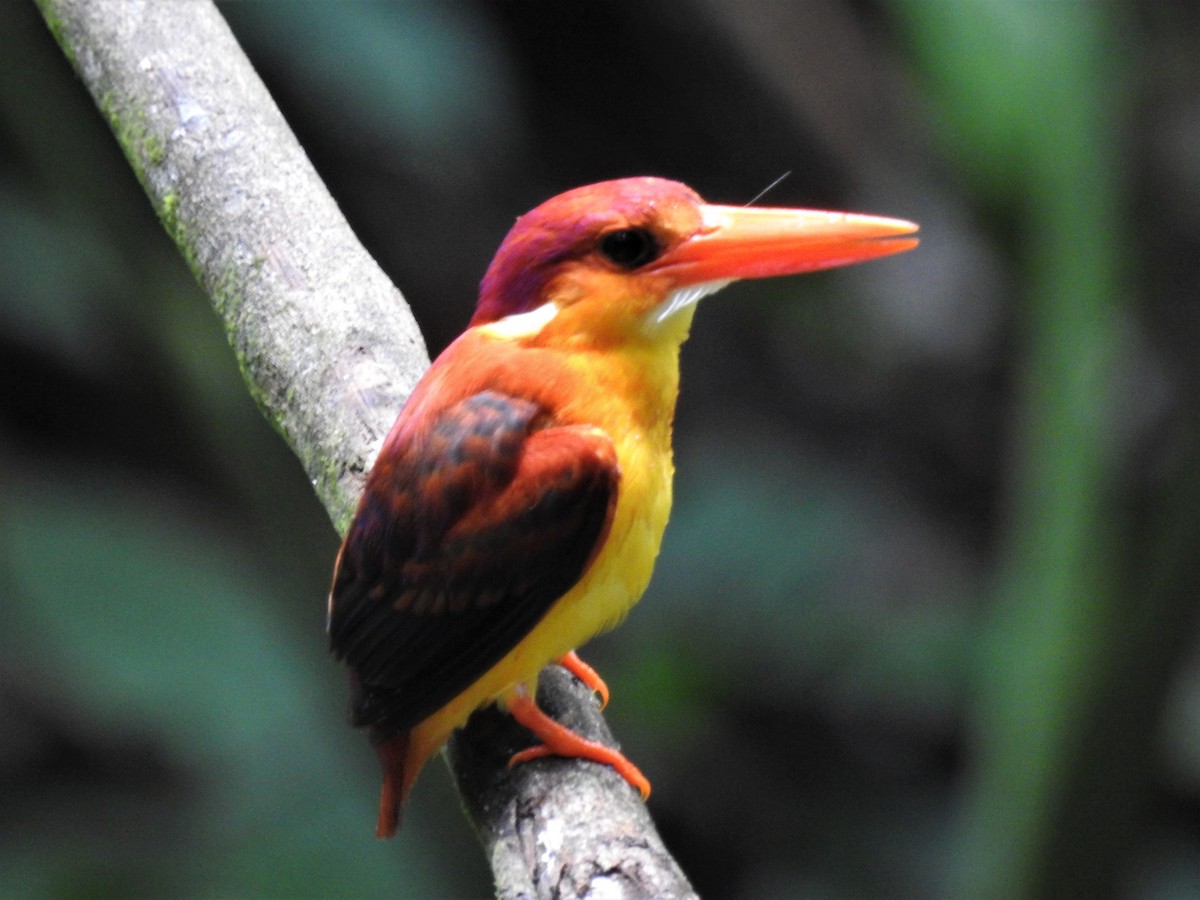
613 583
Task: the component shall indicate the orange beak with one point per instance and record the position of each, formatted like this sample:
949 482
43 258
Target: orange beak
757 242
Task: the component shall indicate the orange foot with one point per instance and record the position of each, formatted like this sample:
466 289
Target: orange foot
585 673
558 740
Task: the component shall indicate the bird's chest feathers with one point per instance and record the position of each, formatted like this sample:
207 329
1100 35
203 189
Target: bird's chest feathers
632 398
627 392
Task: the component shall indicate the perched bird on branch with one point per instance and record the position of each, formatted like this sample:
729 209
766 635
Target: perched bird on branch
518 504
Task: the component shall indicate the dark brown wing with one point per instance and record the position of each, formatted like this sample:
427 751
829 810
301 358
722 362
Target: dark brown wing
466 535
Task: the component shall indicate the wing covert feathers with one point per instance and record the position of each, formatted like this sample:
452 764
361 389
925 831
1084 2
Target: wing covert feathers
469 531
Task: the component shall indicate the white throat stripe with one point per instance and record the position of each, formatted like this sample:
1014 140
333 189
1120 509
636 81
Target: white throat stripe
683 298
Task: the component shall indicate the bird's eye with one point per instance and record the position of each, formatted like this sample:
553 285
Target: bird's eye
629 248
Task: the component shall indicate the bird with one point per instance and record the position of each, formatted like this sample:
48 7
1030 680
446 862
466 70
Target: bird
519 501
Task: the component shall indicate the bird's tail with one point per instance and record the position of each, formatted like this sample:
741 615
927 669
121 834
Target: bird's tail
399 773
403 756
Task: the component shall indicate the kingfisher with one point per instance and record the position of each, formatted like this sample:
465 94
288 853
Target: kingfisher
518 503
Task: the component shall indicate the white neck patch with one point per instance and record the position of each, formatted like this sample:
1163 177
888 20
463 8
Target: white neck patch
525 324
682 298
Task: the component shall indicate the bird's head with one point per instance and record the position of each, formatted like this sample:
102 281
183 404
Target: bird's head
632 257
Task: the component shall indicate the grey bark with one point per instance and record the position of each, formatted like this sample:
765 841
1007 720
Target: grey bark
327 346
329 351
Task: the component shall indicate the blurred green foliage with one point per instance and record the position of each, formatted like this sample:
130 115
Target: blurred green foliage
924 622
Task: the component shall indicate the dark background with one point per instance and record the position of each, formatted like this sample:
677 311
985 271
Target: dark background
923 623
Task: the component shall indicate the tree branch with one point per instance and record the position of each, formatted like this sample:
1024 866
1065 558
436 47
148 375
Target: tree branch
325 342
329 351
560 828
